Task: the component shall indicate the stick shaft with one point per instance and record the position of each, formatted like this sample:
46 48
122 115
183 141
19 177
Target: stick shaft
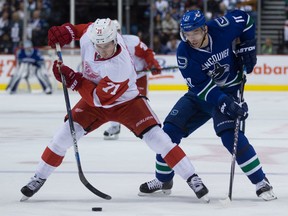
236 134
73 133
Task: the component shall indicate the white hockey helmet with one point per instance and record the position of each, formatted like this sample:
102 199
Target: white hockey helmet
102 31
117 24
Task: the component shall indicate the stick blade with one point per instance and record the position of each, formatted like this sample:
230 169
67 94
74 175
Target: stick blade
225 202
93 189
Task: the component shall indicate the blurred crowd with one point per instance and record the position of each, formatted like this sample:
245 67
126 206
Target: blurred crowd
12 17
166 15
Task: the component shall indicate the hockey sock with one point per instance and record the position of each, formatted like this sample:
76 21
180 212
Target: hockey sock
246 156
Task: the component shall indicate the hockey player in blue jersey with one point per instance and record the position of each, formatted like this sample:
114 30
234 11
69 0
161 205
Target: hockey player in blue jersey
213 74
29 62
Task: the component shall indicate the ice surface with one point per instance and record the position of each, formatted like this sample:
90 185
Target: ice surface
28 121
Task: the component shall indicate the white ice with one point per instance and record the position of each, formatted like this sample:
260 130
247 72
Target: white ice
28 121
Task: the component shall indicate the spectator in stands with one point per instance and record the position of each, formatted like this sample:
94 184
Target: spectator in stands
4 23
172 45
162 7
169 27
31 6
44 11
158 46
267 47
158 25
250 7
230 4
37 29
176 14
20 10
286 8
16 30
5 44
213 9
193 5
286 34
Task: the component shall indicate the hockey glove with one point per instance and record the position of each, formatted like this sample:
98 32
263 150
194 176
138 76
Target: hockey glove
63 34
246 55
154 67
231 108
73 79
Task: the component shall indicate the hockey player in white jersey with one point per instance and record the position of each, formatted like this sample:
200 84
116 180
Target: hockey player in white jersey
144 59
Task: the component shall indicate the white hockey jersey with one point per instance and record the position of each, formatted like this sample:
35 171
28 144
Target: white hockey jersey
115 77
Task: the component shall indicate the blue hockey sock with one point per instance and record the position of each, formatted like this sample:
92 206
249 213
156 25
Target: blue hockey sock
246 156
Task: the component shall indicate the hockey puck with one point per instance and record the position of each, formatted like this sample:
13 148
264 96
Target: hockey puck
96 209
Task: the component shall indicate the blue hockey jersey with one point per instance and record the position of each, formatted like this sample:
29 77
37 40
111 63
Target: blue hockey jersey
213 71
32 56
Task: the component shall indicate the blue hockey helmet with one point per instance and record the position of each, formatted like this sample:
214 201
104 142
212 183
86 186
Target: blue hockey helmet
190 21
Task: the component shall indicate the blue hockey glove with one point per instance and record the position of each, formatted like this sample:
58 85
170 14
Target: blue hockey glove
246 55
231 108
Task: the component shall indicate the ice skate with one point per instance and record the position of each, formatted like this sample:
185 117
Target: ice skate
32 187
264 190
112 133
201 191
155 187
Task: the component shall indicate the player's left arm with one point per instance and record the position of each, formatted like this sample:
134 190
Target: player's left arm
246 48
144 52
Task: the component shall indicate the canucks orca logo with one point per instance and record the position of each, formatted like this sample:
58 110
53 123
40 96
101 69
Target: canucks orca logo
219 74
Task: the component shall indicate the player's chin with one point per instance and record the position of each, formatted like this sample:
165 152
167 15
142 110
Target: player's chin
195 45
106 56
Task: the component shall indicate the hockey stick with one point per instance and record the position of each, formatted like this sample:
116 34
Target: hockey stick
73 134
164 68
236 133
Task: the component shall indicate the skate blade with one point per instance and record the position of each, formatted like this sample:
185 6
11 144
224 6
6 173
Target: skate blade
268 195
205 199
113 137
156 193
24 198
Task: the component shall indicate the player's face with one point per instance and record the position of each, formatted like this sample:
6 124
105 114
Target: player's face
195 37
106 50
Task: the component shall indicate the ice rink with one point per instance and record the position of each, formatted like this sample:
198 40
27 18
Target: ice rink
28 121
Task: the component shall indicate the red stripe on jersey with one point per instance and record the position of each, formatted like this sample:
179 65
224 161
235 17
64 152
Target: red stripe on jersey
51 158
174 156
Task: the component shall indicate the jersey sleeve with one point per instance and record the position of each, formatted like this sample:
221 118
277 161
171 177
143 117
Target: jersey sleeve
142 51
80 30
246 22
238 23
105 93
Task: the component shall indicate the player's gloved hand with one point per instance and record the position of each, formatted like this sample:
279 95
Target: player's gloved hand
154 67
231 108
63 34
246 54
73 79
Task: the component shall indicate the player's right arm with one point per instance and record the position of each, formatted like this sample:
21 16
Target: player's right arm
65 33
